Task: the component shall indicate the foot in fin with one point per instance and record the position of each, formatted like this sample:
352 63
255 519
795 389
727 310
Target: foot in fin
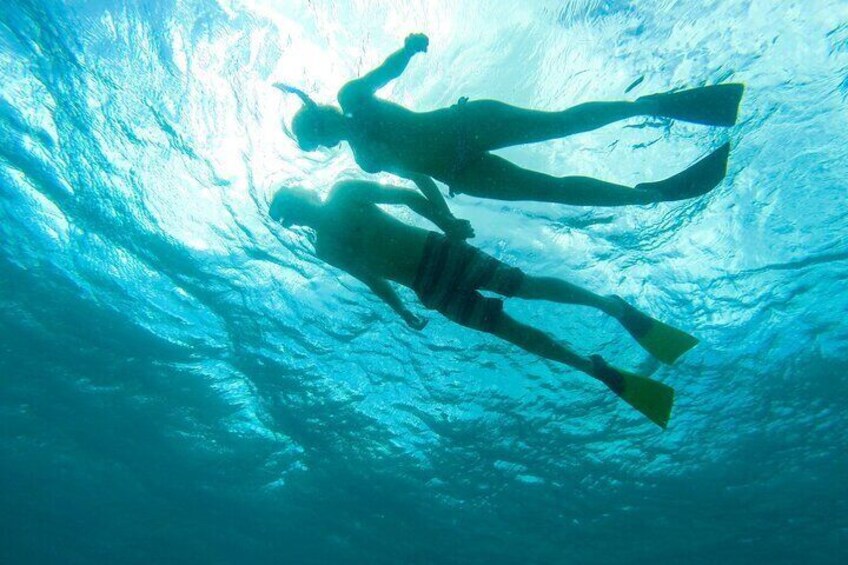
709 105
649 397
698 179
664 342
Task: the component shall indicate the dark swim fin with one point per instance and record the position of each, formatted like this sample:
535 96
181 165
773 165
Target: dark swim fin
697 180
709 105
664 342
651 398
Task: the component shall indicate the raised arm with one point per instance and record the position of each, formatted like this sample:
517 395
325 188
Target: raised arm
391 68
383 289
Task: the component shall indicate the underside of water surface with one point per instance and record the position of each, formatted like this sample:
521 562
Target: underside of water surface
182 381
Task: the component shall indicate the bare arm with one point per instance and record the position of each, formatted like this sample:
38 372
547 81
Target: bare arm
424 207
454 227
387 294
391 68
428 188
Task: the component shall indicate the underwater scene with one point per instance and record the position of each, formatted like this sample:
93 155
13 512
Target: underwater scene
430 281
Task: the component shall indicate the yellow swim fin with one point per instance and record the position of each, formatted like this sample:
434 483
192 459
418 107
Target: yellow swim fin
651 398
664 342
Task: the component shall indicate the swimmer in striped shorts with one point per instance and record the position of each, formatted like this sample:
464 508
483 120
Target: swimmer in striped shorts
447 274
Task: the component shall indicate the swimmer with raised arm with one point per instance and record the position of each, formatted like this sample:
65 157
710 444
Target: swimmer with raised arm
453 145
355 235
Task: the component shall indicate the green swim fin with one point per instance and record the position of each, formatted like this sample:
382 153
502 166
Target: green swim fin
709 105
651 398
664 342
698 179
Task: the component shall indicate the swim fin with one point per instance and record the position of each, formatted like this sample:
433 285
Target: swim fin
664 342
651 398
709 105
698 179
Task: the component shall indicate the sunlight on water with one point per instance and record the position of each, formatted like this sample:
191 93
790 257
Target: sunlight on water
182 381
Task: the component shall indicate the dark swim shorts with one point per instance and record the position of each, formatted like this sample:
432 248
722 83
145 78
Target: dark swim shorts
450 275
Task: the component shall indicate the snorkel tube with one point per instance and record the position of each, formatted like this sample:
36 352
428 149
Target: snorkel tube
304 97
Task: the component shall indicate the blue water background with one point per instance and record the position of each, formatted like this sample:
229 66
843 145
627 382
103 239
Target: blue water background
182 382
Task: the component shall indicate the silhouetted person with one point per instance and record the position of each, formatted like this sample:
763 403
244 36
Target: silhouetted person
453 144
354 235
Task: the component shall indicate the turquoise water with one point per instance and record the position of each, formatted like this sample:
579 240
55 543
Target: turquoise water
182 382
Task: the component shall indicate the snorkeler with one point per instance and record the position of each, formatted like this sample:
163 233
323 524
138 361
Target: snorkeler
453 144
354 235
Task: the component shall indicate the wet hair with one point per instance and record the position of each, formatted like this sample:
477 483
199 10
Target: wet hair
278 205
287 198
310 122
310 125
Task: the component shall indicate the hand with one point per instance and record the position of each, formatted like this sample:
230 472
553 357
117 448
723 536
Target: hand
416 43
417 323
459 229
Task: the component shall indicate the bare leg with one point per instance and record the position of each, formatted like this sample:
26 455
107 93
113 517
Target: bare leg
535 341
493 125
564 292
652 399
561 291
664 342
491 176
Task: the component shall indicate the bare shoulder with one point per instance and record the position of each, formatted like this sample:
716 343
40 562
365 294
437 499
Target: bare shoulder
352 94
348 190
348 187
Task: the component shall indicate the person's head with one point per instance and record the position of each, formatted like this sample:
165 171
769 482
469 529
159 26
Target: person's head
316 126
313 125
295 206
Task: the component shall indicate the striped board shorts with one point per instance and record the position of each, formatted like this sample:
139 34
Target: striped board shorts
450 275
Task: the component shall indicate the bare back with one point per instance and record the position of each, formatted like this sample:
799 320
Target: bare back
388 137
360 238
